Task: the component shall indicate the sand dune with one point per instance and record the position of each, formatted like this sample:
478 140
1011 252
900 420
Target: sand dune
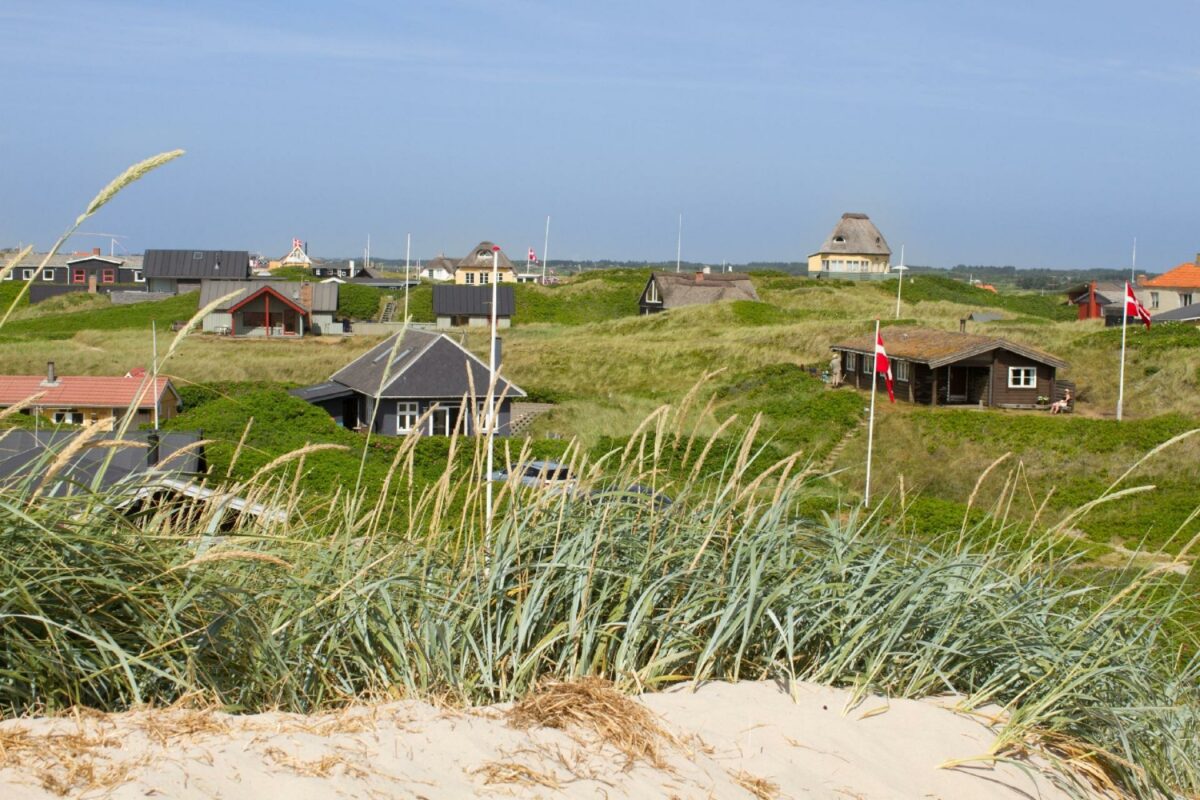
741 740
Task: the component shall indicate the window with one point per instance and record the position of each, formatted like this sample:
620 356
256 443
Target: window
108 276
139 276
652 293
197 255
851 362
79 275
67 417
1022 377
47 274
484 277
1154 299
1185 299
470 277
868 365
900 370
26 274
406 416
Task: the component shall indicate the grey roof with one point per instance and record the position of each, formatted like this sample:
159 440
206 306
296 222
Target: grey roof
688 289
856 234
62 259
481 256
1185 314
195 264
325 295
1106 292
984 316
25 455
425 365
322 391
473 301
939 348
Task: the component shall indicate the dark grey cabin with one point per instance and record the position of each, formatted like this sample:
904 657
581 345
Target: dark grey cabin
184 270
422 383
471 306
944 368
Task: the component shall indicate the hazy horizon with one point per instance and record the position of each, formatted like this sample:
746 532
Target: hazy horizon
1001 134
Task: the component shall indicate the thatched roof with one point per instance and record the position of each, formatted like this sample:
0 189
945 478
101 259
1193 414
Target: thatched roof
480 257
697 288
855 234
939 348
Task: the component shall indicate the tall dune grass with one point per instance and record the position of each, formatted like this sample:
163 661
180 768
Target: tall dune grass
108 608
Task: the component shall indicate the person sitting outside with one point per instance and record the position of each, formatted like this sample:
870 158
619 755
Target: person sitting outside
1062 406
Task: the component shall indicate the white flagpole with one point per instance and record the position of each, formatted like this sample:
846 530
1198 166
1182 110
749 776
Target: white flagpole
407 254
871 421
900 282
1124 325
546 250
154 364
679 244
490 417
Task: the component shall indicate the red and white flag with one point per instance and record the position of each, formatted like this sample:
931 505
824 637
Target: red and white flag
883 366
1134 307
532 255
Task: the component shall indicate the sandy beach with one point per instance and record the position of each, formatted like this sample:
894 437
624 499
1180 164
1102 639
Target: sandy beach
744 740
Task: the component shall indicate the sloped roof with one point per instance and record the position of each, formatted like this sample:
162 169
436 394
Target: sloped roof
474 301
938 348
480 257
325 295
1106 292
196 264
689 289
440 262
1185 276
1186 314
24 456
63 259
83 391
425 365
855 234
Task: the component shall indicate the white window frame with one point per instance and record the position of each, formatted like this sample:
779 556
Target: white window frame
1185 299
407 411
485 277
62 416
851 362
1154 299
652 293
470 278
27 274
139 276
868 365
900 370
48 274
1022 377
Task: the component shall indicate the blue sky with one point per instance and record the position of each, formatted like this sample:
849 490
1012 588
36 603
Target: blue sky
1035 134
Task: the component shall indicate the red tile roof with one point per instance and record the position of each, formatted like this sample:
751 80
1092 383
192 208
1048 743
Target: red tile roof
75 391
1185 276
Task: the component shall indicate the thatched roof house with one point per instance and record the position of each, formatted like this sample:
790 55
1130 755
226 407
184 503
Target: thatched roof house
854 247
667 290
941 367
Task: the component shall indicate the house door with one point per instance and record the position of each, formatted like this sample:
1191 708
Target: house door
443 420
956 384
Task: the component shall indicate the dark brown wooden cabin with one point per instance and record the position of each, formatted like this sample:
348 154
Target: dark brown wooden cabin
945 368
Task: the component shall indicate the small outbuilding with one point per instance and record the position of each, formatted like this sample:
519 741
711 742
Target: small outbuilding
471 306
936 367
184 270
667 290
270 308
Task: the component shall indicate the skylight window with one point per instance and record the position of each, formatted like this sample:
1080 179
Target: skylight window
197 255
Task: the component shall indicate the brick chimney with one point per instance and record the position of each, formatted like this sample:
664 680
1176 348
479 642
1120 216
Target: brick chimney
51 375
95 251
699 276
1198 259
306 295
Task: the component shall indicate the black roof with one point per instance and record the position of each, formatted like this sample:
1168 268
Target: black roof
25 455
474 301
196 264
424 365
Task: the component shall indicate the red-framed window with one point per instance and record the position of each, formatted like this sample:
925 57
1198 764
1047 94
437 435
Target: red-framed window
78 275
108 276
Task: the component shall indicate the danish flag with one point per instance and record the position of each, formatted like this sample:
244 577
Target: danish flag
1134 307
532 255
297 244
883 366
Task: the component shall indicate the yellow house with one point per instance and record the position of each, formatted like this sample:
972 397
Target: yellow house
476 268
856 247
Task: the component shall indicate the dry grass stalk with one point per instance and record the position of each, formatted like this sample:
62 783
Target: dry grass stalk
228 555
321 767
593 705
497 772
761 788
17 408
127 177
